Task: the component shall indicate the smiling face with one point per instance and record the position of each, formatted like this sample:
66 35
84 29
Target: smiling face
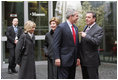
32 30
90 19
53 25
54 22
29 26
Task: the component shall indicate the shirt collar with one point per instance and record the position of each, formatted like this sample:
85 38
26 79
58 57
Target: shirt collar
69 23
14 26
31 35
92 24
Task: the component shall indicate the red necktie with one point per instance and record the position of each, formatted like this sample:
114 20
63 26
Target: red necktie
74 36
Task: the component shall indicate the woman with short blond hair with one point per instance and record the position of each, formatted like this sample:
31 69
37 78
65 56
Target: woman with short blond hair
25 56
28 26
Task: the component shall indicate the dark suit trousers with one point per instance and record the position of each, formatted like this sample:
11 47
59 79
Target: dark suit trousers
90 72
67 72
52 69
12 63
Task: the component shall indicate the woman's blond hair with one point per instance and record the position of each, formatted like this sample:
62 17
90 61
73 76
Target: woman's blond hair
29 25
56 20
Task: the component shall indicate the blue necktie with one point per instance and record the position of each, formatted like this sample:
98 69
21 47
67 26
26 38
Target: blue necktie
16 30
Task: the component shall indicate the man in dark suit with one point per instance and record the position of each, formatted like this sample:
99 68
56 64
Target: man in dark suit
91 39
13 33
65 46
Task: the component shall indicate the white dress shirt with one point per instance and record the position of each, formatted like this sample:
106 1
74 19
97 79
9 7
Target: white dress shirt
70 26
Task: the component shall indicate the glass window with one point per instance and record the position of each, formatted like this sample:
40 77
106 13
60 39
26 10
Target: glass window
10 10
39 53
4 51
110 31
108 48
38 12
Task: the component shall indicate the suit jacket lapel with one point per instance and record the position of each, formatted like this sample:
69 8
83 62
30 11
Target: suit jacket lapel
76 31
91 29
85 28
13 30
18 29
31 39
28 36
69 32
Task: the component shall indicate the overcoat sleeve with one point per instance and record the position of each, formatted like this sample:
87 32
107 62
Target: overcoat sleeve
18 48
11 39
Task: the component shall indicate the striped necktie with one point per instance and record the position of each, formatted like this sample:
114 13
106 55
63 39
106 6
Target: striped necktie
88 28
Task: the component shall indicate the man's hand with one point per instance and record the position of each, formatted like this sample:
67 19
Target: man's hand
19 65
15 41
83 34
78 62
58 62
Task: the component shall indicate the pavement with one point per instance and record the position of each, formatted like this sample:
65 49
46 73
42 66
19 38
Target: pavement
106 71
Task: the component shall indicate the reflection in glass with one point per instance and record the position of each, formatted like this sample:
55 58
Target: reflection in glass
38 12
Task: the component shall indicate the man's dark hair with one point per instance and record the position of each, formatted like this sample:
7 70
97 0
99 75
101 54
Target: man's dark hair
94 14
